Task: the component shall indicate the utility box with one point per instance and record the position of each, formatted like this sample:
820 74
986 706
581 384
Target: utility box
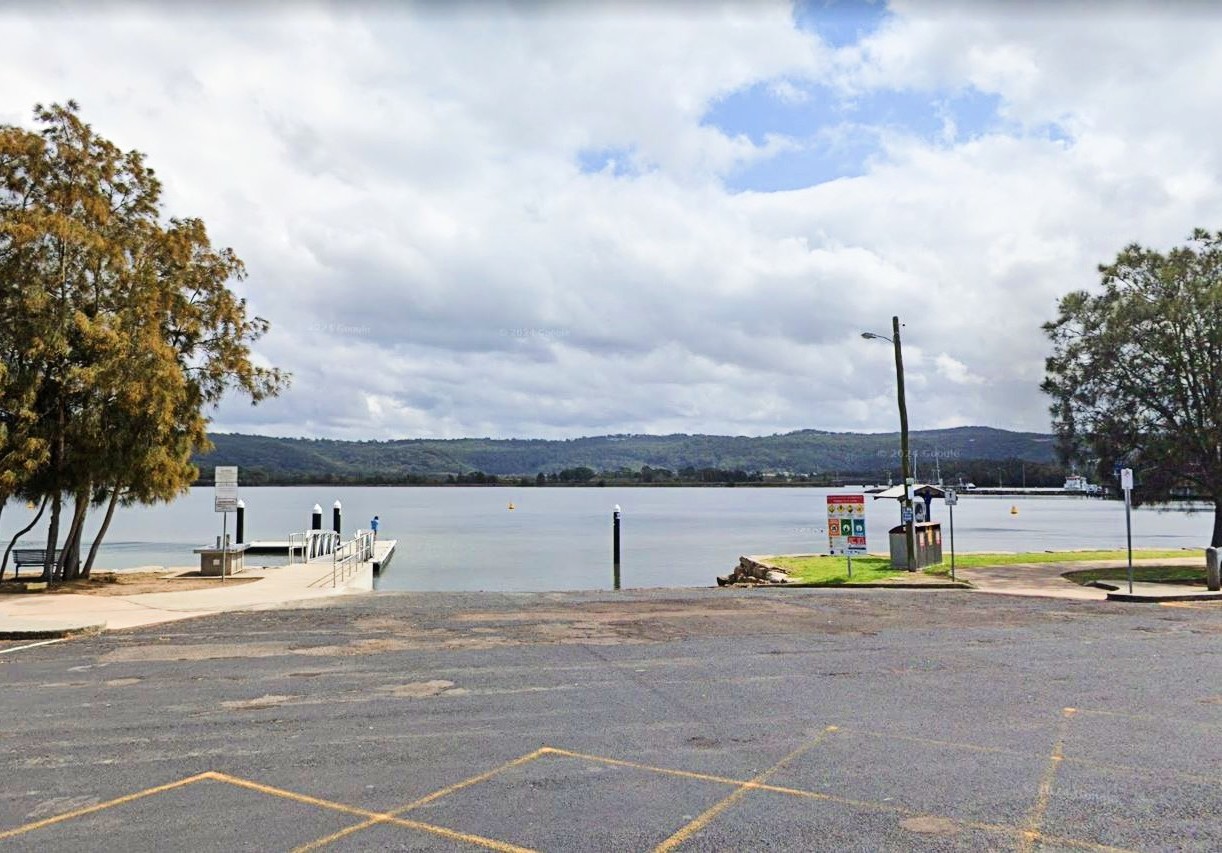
213 562
928 535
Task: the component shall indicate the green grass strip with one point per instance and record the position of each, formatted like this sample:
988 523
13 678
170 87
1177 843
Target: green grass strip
833 571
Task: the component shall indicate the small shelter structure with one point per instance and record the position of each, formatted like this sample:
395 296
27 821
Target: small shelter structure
927 533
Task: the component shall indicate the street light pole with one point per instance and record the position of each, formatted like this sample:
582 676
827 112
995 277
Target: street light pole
905 457
909 517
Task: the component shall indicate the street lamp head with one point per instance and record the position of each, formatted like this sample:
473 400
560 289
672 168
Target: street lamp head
871 336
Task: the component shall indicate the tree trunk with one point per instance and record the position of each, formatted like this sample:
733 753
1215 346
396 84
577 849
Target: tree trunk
70 560
52 537
22 532
97 540
1216 542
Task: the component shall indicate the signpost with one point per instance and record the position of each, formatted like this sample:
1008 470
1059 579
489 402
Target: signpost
846 526
951 499
225 501
1126 483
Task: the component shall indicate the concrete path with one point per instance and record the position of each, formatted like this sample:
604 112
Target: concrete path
1044 580
34 615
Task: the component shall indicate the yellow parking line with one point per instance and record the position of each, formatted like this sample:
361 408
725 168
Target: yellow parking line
458 786
391 820
713 811
1031 832
436 795
292 795
118 801
1145 772
775 789
619 762
374 817
1177 721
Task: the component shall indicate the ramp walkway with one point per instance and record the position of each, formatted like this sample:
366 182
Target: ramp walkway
35 616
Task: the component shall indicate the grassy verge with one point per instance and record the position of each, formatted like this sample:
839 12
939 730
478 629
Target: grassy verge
980 561
1149 574
833 571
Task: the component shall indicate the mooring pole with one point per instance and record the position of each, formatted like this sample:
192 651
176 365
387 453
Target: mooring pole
615 579
336 517
240 535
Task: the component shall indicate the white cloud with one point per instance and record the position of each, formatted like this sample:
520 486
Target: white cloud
405 187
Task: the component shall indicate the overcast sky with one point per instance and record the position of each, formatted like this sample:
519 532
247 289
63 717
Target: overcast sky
564 219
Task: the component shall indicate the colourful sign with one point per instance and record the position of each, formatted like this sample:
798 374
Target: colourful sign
846 524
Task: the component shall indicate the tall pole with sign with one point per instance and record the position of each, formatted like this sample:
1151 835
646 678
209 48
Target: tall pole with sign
1126 483
225 501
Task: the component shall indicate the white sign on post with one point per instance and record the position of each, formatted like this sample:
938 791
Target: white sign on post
1126 483
225 486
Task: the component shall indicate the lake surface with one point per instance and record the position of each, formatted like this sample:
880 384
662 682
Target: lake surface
460 538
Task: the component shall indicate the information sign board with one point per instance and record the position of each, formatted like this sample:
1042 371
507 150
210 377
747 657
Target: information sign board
1126 479
846 524
951 497
225 488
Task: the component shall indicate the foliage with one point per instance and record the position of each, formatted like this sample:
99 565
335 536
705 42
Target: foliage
119 331
977 454
1136 371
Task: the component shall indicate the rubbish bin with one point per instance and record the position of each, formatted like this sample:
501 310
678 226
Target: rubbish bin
928 537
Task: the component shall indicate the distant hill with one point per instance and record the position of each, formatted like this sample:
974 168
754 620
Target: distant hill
870 455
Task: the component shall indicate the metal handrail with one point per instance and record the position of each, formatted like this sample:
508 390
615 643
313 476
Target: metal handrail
347 556
297 542
312 544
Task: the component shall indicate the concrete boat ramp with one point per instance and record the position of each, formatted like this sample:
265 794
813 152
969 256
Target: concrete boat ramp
39 616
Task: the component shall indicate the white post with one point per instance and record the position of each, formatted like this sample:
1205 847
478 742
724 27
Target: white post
224 544
1126 483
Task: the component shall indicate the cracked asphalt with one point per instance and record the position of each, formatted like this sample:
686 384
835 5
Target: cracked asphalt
732 719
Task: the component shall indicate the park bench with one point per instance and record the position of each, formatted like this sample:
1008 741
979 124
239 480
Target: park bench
31 557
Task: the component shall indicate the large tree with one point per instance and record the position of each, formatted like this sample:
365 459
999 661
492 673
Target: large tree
123 331
1136 371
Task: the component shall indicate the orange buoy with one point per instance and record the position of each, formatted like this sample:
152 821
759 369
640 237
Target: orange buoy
511 505
1013 510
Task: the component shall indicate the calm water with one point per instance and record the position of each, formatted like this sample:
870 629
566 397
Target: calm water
560 538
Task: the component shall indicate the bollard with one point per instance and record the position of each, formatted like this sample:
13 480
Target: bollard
1213 573
240 534
316 518
615 548
336 516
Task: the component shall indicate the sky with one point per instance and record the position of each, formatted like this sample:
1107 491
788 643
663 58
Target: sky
558 219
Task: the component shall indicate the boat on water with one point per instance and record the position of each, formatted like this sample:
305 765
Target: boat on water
1076 483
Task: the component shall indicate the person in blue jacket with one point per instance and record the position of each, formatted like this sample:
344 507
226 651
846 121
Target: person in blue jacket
373 525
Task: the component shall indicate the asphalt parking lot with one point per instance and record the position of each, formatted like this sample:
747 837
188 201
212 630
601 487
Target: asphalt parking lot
643 720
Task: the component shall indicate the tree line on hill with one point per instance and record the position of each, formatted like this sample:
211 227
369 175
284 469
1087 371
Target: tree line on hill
808 457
